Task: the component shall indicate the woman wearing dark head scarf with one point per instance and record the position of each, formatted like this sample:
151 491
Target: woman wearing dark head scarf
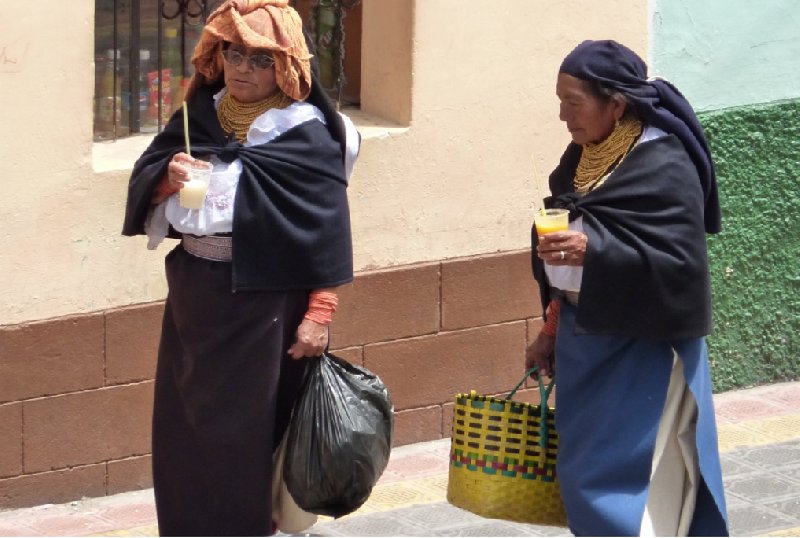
252 283
628 304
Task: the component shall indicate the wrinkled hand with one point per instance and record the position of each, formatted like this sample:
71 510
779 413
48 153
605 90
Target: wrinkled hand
177 174
178 170
311 339
562 248
541 353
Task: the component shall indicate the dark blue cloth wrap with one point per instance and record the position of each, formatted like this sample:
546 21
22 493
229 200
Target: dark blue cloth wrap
291 224
657 102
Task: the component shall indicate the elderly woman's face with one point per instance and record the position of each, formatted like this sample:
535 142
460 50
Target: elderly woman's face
253 79
589 119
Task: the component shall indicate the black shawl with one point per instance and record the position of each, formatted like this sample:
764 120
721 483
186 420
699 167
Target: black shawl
645 274
291 226
657 103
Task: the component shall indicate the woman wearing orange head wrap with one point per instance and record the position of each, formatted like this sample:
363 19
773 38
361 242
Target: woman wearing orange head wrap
252 282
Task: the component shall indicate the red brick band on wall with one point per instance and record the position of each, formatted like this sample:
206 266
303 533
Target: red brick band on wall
76 392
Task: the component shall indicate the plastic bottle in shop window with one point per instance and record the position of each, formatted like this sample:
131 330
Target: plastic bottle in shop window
326 43
153 97
109 106
103 127
148 116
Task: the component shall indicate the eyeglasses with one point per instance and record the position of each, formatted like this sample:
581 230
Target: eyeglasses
257 61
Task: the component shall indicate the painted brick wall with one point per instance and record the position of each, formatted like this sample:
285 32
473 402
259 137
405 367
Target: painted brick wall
76 392
754 261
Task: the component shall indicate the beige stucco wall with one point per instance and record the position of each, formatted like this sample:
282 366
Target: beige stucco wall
473 95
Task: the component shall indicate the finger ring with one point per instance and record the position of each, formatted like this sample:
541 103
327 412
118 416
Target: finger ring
562 254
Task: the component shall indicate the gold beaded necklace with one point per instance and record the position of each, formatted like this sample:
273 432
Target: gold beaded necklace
599 160
237 117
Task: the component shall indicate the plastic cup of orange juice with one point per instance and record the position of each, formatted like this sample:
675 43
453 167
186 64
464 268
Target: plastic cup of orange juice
551 220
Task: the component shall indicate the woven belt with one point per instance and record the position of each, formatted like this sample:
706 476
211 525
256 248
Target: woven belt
210 247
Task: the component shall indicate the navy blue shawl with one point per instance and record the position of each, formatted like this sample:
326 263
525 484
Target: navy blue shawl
291 227
657 102
645 274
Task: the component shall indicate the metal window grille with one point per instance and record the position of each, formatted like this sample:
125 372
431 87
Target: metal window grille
142 53
143 50
327 24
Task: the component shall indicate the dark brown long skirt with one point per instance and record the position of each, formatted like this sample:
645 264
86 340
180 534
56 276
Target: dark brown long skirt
224 390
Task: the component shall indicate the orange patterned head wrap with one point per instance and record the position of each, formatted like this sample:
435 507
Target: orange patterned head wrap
264 24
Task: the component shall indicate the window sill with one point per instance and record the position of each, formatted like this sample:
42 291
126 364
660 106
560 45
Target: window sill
372 126
121 154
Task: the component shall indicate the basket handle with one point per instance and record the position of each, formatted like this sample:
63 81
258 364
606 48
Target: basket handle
545 395
543 392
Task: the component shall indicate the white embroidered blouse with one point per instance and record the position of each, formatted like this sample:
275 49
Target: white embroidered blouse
216 216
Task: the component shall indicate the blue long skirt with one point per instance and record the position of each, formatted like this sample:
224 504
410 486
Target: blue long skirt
610 395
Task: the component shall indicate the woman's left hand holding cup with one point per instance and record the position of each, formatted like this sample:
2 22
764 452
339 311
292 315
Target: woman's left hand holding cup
562 248
178 170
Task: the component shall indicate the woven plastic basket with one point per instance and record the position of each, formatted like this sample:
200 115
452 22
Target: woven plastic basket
503 458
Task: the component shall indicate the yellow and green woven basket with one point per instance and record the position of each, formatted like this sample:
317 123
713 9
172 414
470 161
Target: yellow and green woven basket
503 458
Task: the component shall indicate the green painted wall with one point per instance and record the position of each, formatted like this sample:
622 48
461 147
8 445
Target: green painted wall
736 62
755 261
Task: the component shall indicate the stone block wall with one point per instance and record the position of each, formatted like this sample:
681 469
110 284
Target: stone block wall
76 392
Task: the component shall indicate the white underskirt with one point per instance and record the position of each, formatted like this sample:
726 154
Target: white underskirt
675 473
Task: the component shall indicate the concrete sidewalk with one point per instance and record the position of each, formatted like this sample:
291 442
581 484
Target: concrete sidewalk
759 431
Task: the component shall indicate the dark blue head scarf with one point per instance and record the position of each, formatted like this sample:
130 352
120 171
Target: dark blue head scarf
657 102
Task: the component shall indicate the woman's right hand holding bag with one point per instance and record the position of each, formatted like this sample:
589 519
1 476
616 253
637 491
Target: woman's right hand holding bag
541 352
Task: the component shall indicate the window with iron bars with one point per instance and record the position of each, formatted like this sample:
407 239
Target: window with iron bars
143 51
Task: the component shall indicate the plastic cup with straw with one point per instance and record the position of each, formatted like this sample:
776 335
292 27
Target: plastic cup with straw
193 192
186 128
549 220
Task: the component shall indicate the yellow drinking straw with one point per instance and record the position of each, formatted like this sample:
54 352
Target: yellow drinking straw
536 180
186 128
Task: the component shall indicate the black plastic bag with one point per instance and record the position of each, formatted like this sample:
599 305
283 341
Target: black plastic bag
339 438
